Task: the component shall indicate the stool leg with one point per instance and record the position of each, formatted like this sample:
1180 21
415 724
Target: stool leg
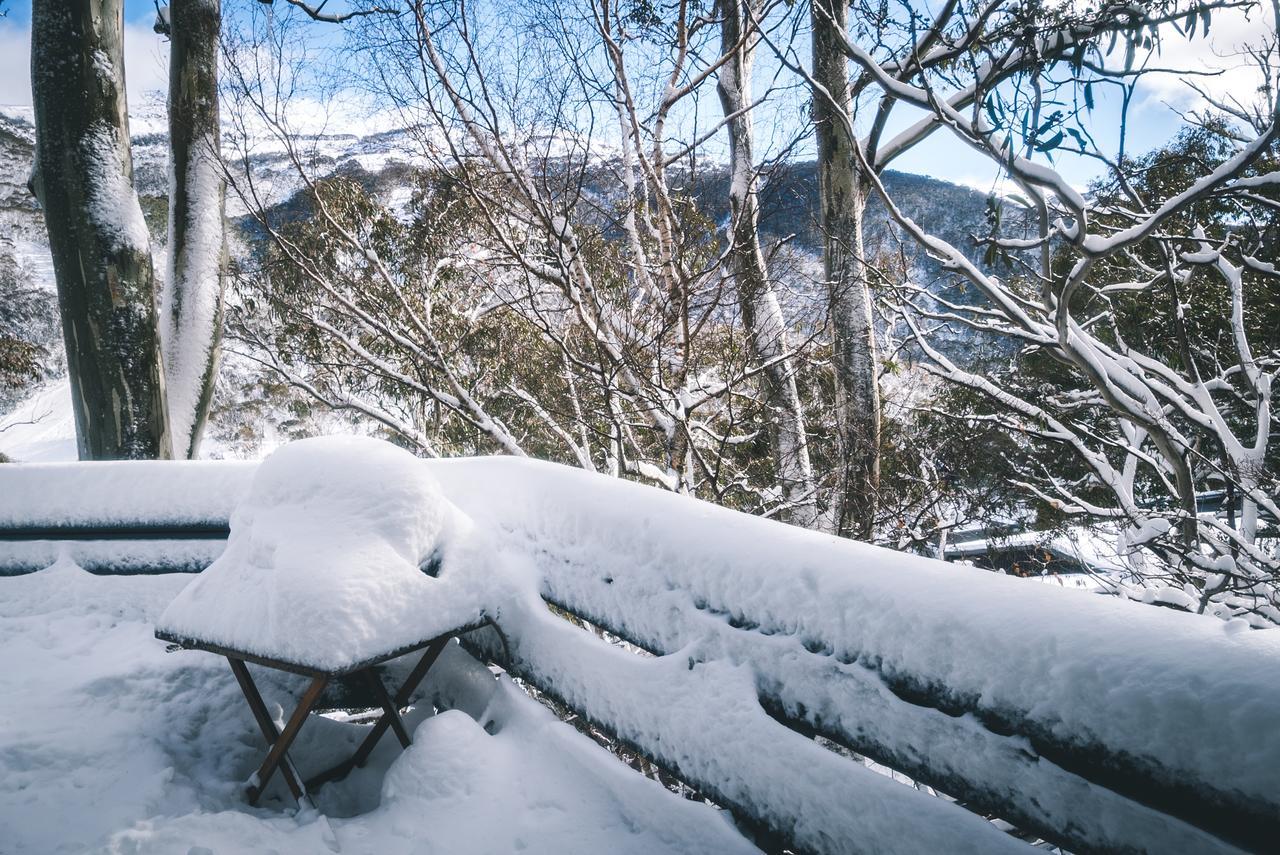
265 724
290 733
361 755
402 697
388 708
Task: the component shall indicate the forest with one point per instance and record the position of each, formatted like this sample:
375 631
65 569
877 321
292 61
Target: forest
675 242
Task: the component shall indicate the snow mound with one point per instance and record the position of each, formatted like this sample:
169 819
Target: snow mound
327 561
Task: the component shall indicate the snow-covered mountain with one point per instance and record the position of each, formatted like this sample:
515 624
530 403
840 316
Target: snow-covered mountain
36 423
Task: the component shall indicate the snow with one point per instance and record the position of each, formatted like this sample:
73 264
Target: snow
111 745
697 712
181 495
324 565
112 205
1149 530
115 555
739 611
41 428
191 300
825 626
1092 546
107 494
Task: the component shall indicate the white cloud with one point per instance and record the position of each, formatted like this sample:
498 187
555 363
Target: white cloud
1222 52
146 61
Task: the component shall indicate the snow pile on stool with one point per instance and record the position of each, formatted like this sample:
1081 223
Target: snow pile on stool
325 563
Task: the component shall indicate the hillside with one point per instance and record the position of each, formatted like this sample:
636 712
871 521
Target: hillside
383 163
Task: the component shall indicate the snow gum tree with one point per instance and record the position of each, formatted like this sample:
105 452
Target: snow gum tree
142 381
192 298
761 312
842 196
543 299
1154 423
976 46
83 177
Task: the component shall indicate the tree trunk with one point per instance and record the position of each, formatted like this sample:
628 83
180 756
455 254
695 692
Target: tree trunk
191 302
761 313
843 193
101 250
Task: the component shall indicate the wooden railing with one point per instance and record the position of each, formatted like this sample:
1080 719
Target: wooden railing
1098 725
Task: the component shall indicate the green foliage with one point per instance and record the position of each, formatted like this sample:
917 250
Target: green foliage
1181 323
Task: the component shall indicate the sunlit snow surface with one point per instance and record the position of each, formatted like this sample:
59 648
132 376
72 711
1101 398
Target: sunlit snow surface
737 606
323 566
110 744
41 429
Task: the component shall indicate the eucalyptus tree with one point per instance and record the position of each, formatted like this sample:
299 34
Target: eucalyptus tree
193 295
586 308
975 46
83 178
761 313
1153 425
141 381
842 199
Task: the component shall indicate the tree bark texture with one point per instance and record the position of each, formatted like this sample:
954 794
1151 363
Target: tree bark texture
843 194
191 302
761 312
101 250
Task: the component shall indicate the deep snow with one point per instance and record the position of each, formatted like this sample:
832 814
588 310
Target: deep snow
745 609
109 744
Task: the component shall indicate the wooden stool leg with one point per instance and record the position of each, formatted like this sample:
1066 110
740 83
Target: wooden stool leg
389 709
265 724
402 697
361 756
290 733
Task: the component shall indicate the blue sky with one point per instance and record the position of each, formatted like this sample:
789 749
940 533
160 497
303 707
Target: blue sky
1153 117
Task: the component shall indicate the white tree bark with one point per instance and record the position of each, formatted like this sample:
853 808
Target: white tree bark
761 312
191 304
842 194
1165 418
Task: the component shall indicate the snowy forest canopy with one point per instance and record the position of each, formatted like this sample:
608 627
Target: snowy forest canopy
666 241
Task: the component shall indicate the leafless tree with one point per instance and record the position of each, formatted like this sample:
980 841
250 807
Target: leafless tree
624 348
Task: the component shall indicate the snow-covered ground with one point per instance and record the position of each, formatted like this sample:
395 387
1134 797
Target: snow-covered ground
739 611
41 429
110 744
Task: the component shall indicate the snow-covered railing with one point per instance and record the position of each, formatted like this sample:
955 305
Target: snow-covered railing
1099 724
137 517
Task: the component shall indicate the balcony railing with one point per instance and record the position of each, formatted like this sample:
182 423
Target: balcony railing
762 662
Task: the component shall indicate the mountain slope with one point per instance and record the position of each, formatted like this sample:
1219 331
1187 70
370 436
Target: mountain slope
384 164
